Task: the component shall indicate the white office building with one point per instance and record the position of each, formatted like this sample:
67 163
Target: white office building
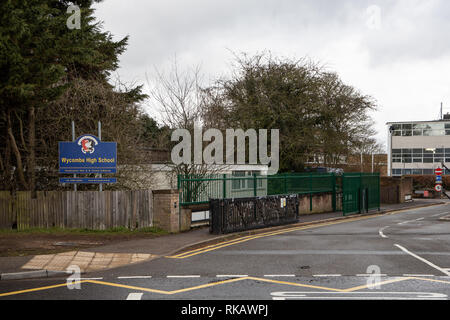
418 147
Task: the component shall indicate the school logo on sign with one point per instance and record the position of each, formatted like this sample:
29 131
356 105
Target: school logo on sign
87 144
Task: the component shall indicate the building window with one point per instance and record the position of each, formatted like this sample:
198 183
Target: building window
245 183
421 129
400 172
406 133
238 184
420 155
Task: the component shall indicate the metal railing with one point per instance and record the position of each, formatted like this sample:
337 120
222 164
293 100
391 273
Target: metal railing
233 215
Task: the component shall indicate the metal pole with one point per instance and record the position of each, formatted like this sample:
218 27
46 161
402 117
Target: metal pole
362 168
389 173
310 193
73 139
100 186
224 186
372 162
333 183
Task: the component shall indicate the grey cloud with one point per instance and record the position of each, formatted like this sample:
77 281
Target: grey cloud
159 29
410 30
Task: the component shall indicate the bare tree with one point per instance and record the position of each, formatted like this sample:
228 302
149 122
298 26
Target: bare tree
179 98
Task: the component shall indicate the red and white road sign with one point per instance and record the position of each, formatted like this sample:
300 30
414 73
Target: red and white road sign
438 172
438 188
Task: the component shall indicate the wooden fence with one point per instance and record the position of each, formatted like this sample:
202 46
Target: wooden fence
82 209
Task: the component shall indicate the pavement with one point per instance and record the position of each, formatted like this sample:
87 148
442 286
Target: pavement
142 250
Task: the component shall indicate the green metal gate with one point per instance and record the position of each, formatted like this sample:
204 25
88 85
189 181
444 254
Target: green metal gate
360 192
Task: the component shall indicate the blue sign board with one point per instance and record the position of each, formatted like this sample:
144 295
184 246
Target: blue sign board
87 154
439 179
87 180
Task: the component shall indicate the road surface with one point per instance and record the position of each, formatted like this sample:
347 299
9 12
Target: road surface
402 255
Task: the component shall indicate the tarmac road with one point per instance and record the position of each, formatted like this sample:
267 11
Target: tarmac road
402 255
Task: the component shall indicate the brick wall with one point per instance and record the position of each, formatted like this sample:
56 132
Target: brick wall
322 202
394 190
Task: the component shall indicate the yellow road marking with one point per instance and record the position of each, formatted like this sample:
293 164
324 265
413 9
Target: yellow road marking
112 284
375 284
294 284
40 288
209 246
207 285
191 253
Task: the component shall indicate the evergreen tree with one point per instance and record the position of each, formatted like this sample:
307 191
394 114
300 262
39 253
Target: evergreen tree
39 58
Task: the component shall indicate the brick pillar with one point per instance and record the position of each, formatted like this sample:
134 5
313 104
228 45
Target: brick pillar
186 218
166 210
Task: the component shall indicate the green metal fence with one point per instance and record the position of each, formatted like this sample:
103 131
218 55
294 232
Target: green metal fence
200 189
360 192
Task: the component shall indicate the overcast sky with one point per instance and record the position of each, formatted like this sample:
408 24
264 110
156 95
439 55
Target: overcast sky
397 51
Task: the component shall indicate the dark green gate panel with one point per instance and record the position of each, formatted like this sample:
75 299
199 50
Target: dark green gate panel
371 183
350 193
360 192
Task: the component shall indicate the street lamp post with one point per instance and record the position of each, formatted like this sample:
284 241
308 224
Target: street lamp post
391 130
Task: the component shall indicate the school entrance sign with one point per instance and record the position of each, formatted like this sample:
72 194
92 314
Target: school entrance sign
87 155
